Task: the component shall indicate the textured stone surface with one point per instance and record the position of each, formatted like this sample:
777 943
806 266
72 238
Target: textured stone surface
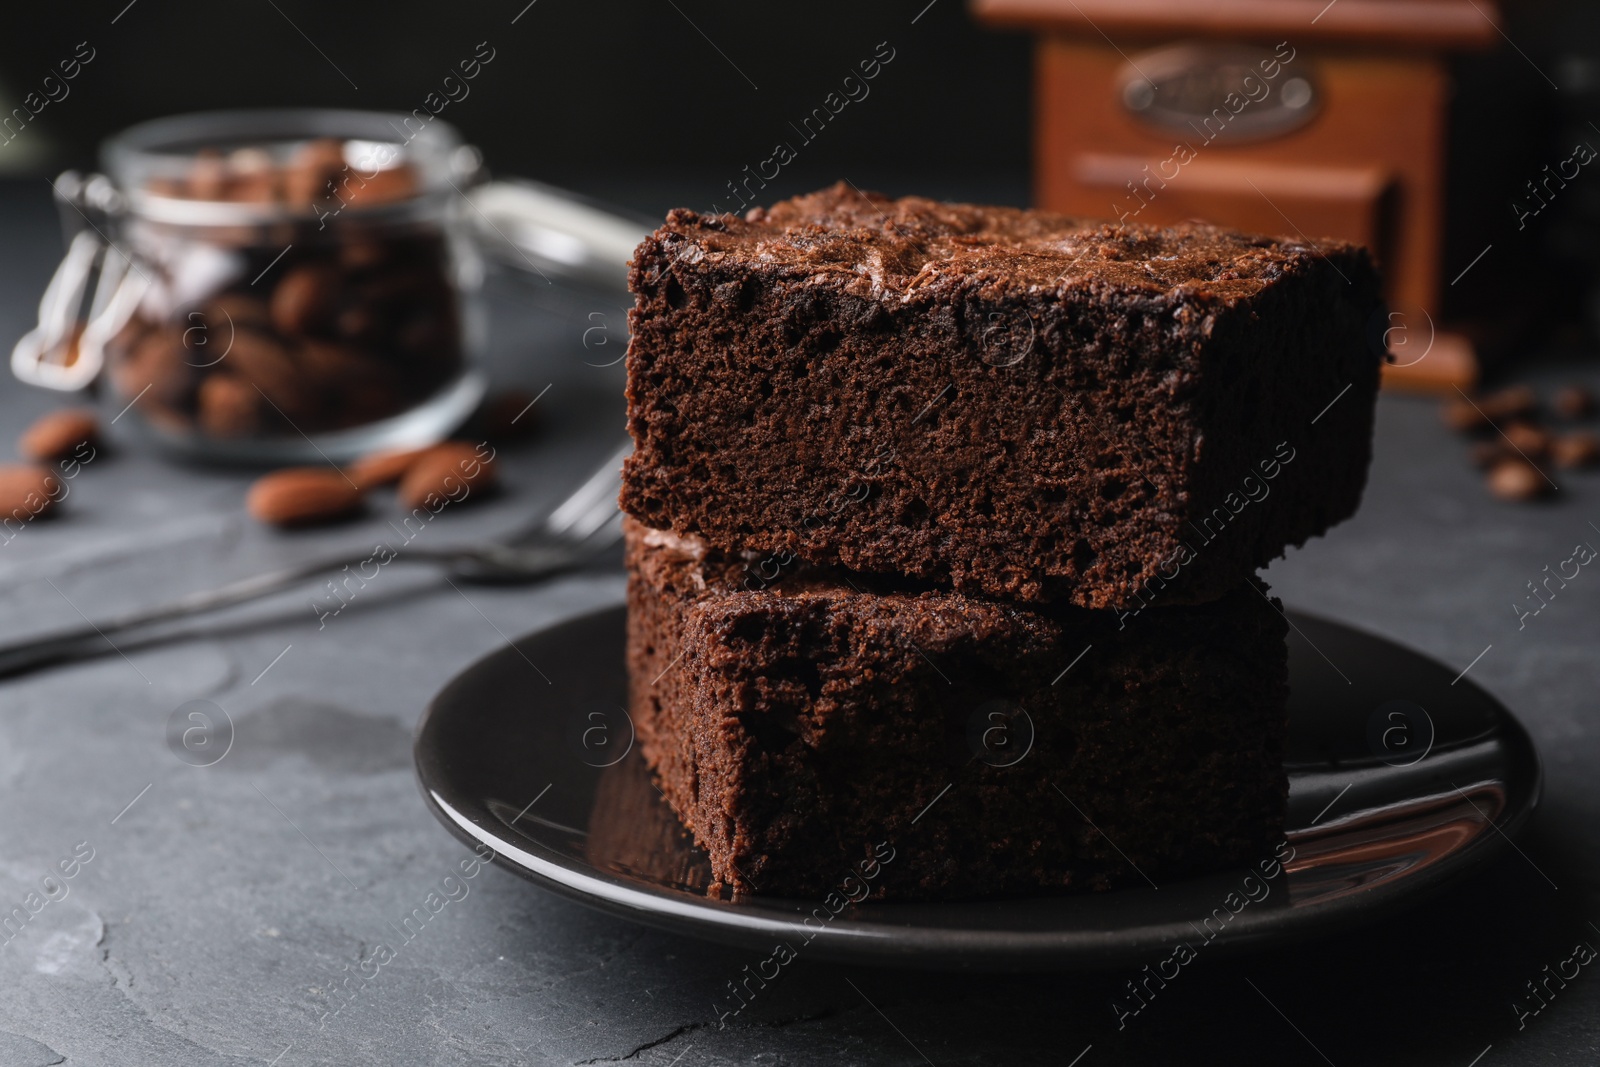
217 909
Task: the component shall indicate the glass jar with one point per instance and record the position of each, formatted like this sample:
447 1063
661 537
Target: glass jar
271 286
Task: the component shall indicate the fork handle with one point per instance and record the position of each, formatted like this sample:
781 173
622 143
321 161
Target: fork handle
94 638
91 639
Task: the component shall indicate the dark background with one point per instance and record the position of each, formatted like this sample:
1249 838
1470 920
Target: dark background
607 96
659 103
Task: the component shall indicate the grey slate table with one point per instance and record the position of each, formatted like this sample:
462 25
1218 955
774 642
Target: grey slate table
222 903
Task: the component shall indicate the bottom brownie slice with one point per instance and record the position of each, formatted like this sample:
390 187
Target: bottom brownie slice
815 733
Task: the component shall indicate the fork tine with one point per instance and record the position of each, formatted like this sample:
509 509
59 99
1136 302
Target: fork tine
597 516
599 492
608 533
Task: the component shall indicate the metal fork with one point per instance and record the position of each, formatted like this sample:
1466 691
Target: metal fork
582 525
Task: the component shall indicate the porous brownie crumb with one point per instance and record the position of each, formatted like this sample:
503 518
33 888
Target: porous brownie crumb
1010 404
802 726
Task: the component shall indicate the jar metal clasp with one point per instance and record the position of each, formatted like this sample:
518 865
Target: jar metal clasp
66 350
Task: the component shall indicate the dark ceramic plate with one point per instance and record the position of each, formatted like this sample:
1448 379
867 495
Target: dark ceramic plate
1402 780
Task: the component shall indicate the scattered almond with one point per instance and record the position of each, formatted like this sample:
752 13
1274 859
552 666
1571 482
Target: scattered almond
384 468
448 472
302 496
1572 450
1573 402
1512 402
1532 442
57 434
1516 479
27 492
1462 416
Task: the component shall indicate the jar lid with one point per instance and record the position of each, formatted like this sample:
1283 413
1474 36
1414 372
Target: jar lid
221 168
554 234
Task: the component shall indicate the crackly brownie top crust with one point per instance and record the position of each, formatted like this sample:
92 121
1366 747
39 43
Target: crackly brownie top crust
909 249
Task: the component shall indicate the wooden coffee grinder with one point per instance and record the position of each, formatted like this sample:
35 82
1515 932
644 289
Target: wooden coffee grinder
1298 117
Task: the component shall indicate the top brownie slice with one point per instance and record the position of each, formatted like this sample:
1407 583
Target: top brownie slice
1007 403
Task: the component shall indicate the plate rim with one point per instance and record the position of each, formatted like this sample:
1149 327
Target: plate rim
868 942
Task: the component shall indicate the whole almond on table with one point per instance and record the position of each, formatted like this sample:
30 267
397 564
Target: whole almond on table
26 491
1573 402
1581 449
451 472
1517 479
302 496
1512 402
384 468
1462 416
1527 439
58 434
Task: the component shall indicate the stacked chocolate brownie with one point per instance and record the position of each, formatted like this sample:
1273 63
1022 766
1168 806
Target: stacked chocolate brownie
944 525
